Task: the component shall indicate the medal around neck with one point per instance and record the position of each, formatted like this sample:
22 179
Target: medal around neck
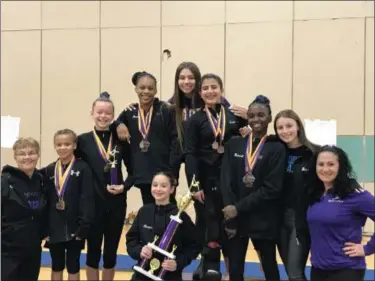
144 125
164 244
61 182
251 159
144 145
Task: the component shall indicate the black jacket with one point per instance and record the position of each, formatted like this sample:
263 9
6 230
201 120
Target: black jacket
24 220
299 191
87 151
153 220
162 137
79 211
258 206
201 159
178 154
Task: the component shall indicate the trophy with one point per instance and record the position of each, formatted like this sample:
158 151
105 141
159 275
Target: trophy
112 166
152 268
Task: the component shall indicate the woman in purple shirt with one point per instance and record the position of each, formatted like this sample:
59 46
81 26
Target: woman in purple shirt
338 210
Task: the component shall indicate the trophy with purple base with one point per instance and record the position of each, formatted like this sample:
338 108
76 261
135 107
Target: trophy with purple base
152 268
112 167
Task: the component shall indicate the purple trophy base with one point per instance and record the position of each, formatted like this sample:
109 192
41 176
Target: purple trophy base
114 176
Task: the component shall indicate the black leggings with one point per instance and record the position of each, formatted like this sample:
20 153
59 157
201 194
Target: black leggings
236 250
267 252
294 251
21 268
108 223
337 275
66 253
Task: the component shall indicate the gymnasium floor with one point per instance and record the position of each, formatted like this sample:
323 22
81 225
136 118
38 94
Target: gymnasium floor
252 269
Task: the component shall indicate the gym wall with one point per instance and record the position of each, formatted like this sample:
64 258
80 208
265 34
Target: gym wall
316 57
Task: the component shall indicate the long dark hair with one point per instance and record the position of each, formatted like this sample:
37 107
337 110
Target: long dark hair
178 96
288 113
345 181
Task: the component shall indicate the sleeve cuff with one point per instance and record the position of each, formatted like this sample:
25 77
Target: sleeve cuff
368 249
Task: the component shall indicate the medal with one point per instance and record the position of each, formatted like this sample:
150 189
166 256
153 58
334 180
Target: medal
104 154
248 179
144 145
60 205
144 124
215 145
218 128
61 180
220 149
251 159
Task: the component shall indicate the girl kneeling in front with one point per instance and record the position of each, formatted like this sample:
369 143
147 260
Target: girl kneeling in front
152 220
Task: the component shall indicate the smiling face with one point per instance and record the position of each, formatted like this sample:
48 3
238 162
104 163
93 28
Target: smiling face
102 114
287 130
258 118
327 167
65 146
161 189
26 158
146 90
186 81
211 91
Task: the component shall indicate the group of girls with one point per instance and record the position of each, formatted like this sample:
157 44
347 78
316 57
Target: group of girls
280 191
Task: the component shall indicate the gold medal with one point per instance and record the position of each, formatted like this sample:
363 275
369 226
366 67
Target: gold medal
218 126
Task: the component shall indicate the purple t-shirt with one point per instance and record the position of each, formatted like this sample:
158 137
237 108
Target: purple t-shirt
333 222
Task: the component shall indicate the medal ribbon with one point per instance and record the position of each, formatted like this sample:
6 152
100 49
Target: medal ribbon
251 158
144 122
61 178
104 154
218 125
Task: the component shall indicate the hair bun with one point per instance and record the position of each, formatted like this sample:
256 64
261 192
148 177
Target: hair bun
135 77
262 99
104 95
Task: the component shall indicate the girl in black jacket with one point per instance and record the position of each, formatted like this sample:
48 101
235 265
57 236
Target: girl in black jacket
153 134
251 183
152 219
294 238
71 208
208 130
98 148
23 213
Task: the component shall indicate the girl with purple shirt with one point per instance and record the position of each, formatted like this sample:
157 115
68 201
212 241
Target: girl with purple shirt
338 210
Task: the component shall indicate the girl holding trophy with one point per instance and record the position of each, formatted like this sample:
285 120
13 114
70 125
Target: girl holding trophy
162 237
103 152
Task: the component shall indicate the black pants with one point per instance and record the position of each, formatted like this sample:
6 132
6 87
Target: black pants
66 253
108 223
267 252
294 252
236 250
214 231
337 275
21 268
147 196
200 222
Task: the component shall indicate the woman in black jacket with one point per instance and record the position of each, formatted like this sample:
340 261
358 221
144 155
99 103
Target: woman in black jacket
23 213
251 183
152 219
294 238
71 208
